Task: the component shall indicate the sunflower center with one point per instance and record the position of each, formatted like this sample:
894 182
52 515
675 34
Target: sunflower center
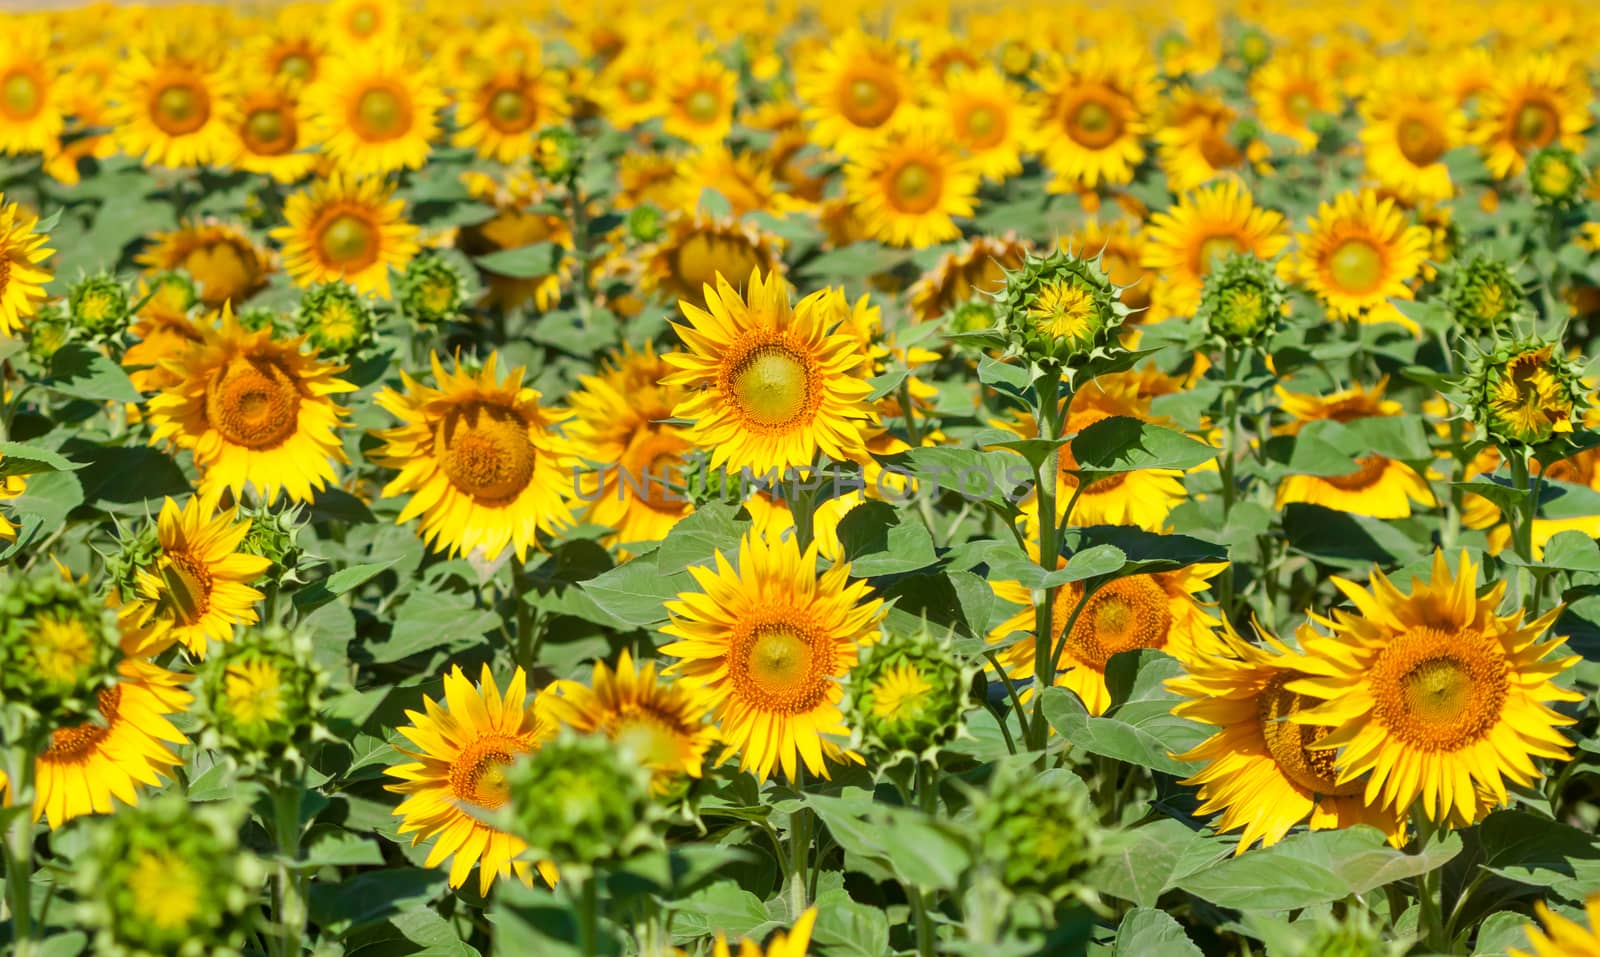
21 95
382 114
868 101
349 241
984 125
703 106
1216 249
486 452
363 21
180 108
1299 105
269 131
1439 690
637 88
772 386
1419 141
1128 613
1289 743
295 65
781 667
915 187
76 743
1356 266
655 464
1217 151
1535 125
187 591
478 774
62 647
1369 468
509 112
1095 124
166 891
652 740
254 403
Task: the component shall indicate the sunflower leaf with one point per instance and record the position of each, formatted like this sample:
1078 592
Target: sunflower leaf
1125 444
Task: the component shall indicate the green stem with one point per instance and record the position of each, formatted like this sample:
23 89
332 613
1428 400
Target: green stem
927 787
799 850
589 916
1226 462
1430 911
580 242
1460 910
291 897
19 766
530 630
1522 525
1047 415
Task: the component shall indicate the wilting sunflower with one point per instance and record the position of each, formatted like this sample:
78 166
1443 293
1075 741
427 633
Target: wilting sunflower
270 126
663 722
1379 486
620 422
463 752
795 943
346 230
254 411
225 263
171 106
480 457
519 221
1093 108
1535 101
1434 695
22 279
909 185
1206 226
853 88
31 93
975 270
375 111
1358 253
699 94
1289 91
775 383
1157 611
984 115
200 585
769 639
129 744
694 249
1560 937
501 112
1409 125
1260 773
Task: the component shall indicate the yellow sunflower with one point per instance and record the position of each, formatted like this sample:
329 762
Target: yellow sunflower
86 766
854 88
1408 127
1432 694
1260 772
694 249
32 94
346 230
224 262
480 458
270 125
163 332
768 638
984 115
501 113
463 751
629 91
795 943
290 53
171 108
518 221
1195 142
1289 91
1358 253
743 178
374 111
663 722
1560 937
775 383
909 186
22 278
1093 109
1207 225
699 95
365 23
1380 487
976 269
253 411
1537 100
1157 611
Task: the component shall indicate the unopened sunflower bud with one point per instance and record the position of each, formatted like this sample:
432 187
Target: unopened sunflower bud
1557 176
1254 47
58 645
557 152
1038 831
260 696
1242 302
138 551
1483 296
432 290
98 305
582 801
907 694
335 318
1525 395
974 316
644 223
273 534
47 332
1060 309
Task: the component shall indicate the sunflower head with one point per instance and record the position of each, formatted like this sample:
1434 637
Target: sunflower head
557 153
1484 295
582 800
1242 301
260 696
1525 395
1253 46
1557 176
908 693
1060 309
57 646
99 305
644 223
975 316
1038 831
433 289
169 877
335 319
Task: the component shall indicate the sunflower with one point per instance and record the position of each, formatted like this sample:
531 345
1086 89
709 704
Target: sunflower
1208 224
1093 108
794 943
694 249
769 641
1289 91
200 585
1157 611
1260 772
374 111
1120 244
1535 101
974 270
31 93
1195 142
163 331
663 722
290 54
1380 487
519 220
171 108
1358 253
225 263
742 178
984 115
629 91
1434 694
620 421
1560 937
270 126
699 95
501 113
775 383
480 457
853 89
22 279
463 752
254 411
85 766
909 185
1408 127
365 23
346 230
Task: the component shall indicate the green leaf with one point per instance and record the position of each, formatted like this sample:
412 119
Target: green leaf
1123 444
1146 932
336 848
920 850
848 929
523 262
1531 849
1142 863
632 594
1571 551
1146 552
856 261
879 540
372 896
19 459
695 539
883 385
978 476
1331 535
724 908
992 371
1504 497
430 618
1109 736
84 373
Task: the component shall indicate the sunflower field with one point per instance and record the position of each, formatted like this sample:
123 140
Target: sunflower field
848 479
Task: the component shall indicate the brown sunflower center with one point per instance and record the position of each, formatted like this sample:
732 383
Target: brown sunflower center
772 385
1420 142
486 453
509 111
1217 151
1535 124
1128 613
703 106
781 667
77 743
180 107
1290 743
868 101
478 774
915 187
1356 266
382 113
1439 690
269 131
349 242
254 402
1095 123
1369 468
21 94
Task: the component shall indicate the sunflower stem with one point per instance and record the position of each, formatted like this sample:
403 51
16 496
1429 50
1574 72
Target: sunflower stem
1226 462
1048 417
1430 906
799 849
589 916
1522 526
19 768
291 890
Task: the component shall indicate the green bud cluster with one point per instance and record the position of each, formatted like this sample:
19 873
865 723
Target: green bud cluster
1060 309
432 290
1557 177
99 305
58 645
908 694
260 696
1525 395
1038 831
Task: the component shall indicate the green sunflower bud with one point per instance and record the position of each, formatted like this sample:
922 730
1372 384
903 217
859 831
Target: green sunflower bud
644 223
261 695
58 645
432 290
168 878
557 153
1525 395
1060 309
256 318
47 332
1038 831
1254 47
98 305
335 318
1484 296
274 535
1242 302
908 694
975 316
1557 176
582 801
